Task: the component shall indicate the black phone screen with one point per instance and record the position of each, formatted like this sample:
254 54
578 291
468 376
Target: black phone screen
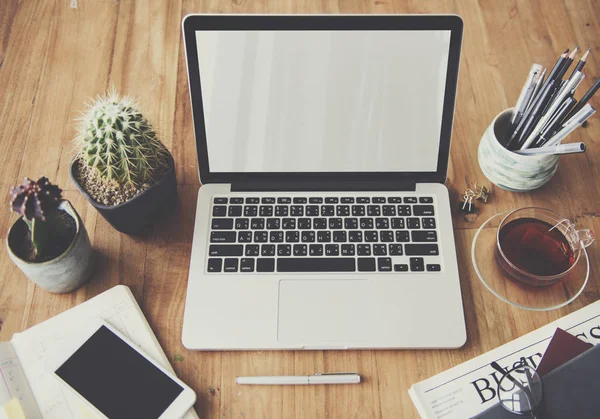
118 380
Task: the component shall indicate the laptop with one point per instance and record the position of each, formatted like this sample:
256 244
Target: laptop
323 221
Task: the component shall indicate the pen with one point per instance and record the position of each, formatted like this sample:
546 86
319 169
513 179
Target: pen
584 99
536 89
572 124
335 378
557 149
535 114
524 97
554 121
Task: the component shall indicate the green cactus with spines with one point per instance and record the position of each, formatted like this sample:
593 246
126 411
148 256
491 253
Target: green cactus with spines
119 143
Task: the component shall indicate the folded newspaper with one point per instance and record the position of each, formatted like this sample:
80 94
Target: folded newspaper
470 388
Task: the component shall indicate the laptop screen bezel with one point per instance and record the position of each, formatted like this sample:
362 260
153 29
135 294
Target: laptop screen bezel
199 22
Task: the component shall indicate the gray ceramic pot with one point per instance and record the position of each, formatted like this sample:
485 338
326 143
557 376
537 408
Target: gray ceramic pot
68 271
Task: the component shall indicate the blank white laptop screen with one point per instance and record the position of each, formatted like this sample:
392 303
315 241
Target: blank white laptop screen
323 101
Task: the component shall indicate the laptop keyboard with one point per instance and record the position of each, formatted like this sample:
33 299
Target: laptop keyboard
323 234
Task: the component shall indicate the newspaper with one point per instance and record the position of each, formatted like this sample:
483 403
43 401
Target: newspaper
470 388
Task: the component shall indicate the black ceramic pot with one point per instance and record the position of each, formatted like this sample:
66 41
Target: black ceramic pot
137 214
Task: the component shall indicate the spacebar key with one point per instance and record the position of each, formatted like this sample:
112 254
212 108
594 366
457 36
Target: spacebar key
316 265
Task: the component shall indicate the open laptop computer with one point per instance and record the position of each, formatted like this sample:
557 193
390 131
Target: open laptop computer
323 221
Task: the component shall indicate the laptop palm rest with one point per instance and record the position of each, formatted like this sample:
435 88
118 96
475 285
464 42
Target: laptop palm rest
313 312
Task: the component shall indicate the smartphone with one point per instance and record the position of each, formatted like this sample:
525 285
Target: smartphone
117 379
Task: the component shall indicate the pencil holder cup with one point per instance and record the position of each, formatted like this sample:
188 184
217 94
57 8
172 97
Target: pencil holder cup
509 170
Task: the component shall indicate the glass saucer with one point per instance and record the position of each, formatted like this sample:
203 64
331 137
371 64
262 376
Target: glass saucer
512 292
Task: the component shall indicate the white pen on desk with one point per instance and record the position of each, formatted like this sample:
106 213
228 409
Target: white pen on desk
334 378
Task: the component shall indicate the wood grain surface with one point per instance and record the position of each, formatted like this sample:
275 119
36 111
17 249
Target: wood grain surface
55 57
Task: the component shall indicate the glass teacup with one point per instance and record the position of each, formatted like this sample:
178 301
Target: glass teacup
538 247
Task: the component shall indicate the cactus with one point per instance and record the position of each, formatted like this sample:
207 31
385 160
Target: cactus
118 143
37 203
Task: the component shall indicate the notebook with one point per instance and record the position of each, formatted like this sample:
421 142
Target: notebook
24 374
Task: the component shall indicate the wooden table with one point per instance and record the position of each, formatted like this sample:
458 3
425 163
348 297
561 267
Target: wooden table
54 57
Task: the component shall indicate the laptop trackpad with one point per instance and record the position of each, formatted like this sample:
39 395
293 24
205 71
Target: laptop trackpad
323 310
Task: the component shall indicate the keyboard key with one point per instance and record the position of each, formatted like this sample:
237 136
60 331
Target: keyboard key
226 250
297 211
428 222
266 211
355 236
382 223
265 265
417 265
250 211
268 200
284 200
219 211
300 250
366 223
386 236
220 200
288 223
304 223
281 210
402 267
373 210
363 249
397 223
424 236
241 223
316 265
261 236
423 210
371 236
308 236
350 223
348 250
342 210
252 250
347 200
395 200
257 223
323 236
421 249
434 268
231 264
222 236
331 200
378 200
388 210
327 210
358 210
245 237
363 200
332 250
292 236
236 200
410 200
402 236
276 237
252 201
267 250
404 210
315 250
319 223
273 223
284 250
315 200
312 210
384 264
235 210
426 200
335 223
247 265
395 250
413 223
300 200
339 236
366 264
379 249
215 264
222 224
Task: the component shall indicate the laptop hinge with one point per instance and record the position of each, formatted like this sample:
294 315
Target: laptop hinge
322 185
